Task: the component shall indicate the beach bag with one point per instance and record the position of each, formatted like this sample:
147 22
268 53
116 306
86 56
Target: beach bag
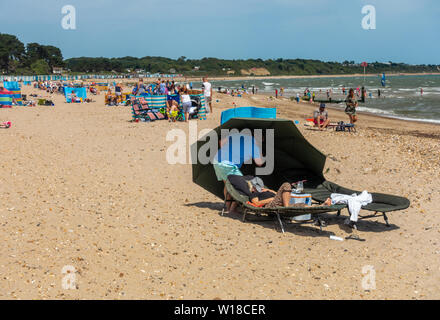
340 126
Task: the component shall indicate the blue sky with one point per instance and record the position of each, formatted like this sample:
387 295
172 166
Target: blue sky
329 30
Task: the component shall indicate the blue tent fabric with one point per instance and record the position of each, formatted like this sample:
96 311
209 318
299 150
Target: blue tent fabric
248 112
80 93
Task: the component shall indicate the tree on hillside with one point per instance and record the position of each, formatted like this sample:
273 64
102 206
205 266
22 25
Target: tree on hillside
12 52
50 54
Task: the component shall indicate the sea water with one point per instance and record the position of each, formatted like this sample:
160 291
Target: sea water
400 98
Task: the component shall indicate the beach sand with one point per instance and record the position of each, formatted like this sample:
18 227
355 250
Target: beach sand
81 186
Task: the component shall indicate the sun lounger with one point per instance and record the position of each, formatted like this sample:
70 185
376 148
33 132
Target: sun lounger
295 159
382 203
280 213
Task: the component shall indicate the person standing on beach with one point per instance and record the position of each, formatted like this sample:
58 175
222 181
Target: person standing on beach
421 91
207 92
378 93
141 88
363 95
186 102
351 105
118 92
276 93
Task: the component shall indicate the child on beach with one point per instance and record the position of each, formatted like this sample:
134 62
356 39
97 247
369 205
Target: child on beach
173 111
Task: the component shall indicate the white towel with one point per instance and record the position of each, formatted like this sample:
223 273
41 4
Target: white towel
354 202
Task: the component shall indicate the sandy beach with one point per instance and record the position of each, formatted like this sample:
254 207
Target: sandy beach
81 186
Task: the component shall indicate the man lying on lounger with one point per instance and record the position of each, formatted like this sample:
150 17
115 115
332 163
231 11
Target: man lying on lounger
253 187
320 117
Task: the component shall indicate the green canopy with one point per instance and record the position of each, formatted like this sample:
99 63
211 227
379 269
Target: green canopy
294 157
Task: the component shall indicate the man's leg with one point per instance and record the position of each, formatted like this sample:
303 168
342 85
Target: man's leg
282 197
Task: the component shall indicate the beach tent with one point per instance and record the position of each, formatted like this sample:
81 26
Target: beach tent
295 159
80 93
5 99
248 112
15 90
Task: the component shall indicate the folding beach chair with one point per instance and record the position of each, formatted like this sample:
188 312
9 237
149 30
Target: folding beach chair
142 114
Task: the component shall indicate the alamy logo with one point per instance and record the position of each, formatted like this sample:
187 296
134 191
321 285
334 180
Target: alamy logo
238 146
369 280
69 280
369 20
69 20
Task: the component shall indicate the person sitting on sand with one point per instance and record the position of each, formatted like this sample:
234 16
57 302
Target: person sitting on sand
320 117
74 98
350 109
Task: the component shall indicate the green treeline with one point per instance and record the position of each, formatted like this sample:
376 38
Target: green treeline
221 67
16 58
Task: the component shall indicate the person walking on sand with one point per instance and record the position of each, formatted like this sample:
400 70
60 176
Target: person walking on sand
207 92
351 105
276 93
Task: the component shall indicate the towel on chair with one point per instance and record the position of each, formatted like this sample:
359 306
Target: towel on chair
355 202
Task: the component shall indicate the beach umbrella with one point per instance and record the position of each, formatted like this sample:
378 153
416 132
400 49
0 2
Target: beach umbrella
294 157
